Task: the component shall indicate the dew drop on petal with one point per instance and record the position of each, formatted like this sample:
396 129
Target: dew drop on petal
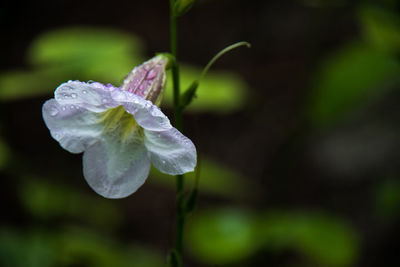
53 111
151 75
64 108
104 100
163 162
84 92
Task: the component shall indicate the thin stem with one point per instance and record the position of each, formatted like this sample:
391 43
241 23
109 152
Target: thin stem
221 53
180 220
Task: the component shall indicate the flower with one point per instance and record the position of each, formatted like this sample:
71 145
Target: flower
119 130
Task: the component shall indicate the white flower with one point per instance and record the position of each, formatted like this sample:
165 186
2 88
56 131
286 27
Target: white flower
119 131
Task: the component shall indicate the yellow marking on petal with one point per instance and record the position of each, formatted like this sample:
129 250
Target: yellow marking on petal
122 124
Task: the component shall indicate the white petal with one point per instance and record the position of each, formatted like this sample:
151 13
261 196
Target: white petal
146 114
170 151
93 96
116 169
74 127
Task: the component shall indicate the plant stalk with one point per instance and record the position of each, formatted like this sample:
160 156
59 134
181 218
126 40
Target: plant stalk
180 217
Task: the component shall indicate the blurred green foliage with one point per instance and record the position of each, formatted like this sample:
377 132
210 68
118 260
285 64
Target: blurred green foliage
387 198
5 154
218 92
350 79
215 179
80 53
29 249
325 240
70 246
106 56
219 237
225 236
51 200
381 27
88 51
360 72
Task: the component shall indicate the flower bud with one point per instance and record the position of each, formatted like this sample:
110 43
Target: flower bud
148 80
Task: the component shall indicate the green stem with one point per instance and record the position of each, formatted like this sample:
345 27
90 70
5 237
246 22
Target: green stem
180 220
221 53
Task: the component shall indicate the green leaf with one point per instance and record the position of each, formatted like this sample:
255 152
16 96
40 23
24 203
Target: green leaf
79 53
100 54
31 249
387 198
22 84
71 246
219 91
48 200
323 239
190 203
349 80
227 236
82 246
381 27
222 236
188 95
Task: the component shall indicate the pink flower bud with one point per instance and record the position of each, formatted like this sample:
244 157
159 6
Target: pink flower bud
147 80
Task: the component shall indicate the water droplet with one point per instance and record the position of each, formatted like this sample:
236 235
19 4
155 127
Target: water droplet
163 162
53 111
84 92
72 106
104 100
73 95
63 108
152 74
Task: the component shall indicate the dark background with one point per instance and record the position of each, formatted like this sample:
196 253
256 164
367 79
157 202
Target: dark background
313 147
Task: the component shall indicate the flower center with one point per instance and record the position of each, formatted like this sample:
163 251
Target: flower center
121 123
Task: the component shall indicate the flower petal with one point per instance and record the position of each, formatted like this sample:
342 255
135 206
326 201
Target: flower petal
74 127
93 96
170 151
116 169
146 114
